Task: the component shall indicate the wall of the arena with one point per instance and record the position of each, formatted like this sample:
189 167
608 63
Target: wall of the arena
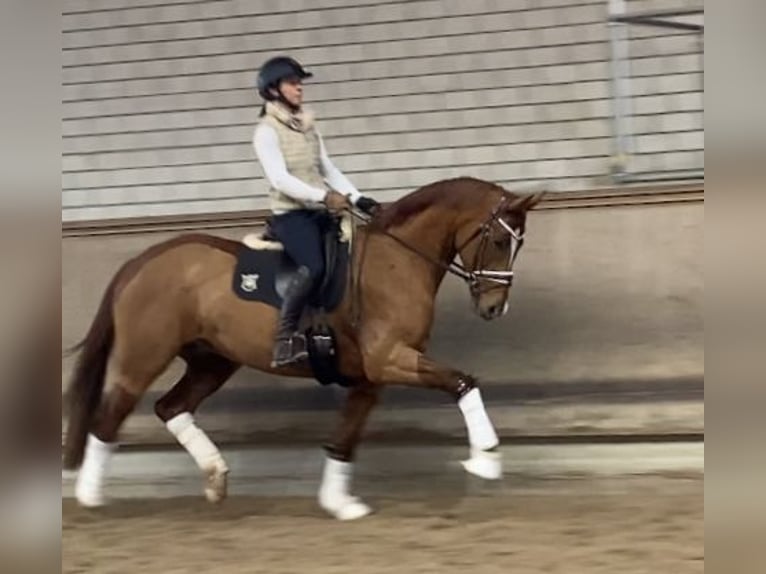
159 105
601 294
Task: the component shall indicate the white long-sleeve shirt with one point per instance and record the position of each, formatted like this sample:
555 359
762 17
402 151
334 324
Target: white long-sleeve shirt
266 145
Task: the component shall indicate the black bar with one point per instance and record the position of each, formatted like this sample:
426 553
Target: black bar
652 21
669 13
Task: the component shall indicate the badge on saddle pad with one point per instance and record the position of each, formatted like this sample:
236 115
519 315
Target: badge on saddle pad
254 276
249 282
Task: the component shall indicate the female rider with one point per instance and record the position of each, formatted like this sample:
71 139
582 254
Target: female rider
305 188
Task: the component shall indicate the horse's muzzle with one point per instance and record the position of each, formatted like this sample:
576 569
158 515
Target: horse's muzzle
493 311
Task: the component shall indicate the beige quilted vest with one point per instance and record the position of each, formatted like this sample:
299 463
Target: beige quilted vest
299 144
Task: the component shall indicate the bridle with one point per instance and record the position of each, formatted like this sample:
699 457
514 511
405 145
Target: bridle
474 274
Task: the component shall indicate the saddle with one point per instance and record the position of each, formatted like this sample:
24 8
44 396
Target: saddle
264 269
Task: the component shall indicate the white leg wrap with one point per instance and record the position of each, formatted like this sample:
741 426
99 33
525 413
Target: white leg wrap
89 488
481 433
334 493
193 439
204 452
481 436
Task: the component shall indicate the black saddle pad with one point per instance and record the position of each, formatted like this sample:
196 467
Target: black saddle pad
262 275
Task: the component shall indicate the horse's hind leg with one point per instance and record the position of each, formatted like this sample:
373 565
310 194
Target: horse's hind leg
127 380
101 444
205 373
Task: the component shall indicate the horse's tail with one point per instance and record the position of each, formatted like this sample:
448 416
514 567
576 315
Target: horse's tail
87 382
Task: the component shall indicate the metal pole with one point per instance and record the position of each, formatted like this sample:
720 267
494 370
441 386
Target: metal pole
618 40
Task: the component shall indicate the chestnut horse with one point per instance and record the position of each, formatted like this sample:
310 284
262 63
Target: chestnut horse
176 299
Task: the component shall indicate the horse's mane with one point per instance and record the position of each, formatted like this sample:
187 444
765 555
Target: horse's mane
448 193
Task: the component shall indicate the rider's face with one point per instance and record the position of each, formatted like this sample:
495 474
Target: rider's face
292 91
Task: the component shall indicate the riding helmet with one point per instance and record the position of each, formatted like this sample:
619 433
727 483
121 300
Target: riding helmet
274 71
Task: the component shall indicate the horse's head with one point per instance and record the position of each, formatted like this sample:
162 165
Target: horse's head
488 245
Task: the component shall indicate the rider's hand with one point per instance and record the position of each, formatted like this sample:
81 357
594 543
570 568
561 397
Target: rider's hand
368 205
336 202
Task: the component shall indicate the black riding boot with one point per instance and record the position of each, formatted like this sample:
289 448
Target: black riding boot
290 345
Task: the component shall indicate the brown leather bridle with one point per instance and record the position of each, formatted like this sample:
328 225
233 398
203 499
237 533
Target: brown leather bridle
476 273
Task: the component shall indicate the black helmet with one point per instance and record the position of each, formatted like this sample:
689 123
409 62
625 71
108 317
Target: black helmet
276 70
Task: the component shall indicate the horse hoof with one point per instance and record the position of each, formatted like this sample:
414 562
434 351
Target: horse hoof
484 464
348 509
90 499
216 487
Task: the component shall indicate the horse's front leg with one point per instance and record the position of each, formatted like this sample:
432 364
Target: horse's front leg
335 491
407 366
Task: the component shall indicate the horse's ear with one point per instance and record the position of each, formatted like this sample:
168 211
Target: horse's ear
533 199
525 202
517 204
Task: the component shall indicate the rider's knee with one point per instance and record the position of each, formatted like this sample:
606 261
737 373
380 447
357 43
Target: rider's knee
315 270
